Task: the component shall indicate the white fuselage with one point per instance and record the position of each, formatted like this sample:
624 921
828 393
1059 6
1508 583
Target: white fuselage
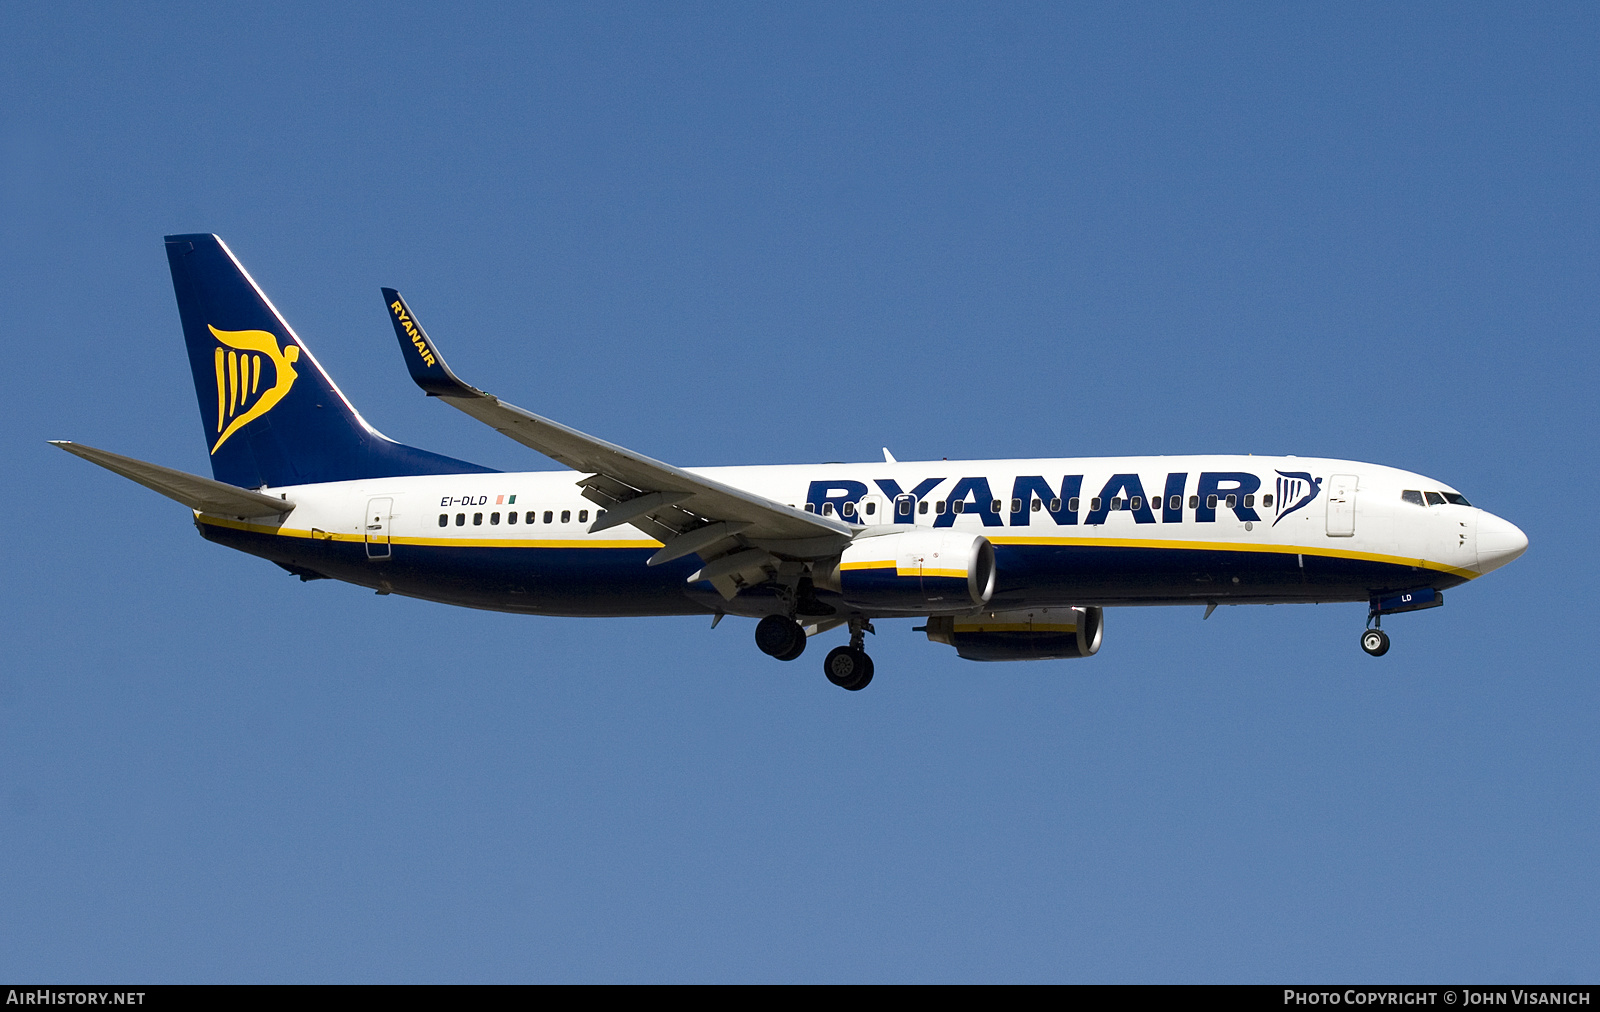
1184 529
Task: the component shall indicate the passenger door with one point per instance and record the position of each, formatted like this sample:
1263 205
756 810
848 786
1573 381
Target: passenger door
1342 506
375 525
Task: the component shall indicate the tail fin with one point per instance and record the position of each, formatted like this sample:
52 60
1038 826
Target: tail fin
271 415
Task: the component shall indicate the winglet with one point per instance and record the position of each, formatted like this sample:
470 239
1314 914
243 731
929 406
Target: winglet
427 366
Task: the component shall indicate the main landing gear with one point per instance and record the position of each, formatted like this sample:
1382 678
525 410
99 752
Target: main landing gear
780 637
848 667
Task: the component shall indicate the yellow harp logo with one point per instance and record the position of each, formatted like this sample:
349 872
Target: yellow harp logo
240 397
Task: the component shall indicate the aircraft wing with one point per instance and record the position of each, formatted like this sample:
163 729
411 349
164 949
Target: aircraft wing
689 513
195 492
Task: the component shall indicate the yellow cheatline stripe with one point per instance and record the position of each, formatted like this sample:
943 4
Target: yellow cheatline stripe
1014 627
290 532
960 574
1213 546
1241 546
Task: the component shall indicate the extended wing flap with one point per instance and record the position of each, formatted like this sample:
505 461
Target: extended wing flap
691 493
195 492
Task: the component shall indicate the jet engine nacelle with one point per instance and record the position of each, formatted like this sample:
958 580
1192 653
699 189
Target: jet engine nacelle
1034 634
916 572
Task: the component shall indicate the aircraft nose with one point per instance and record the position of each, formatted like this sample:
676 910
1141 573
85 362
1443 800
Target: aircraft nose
1499 542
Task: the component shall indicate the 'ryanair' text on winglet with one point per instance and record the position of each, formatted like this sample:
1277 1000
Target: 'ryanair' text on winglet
427 366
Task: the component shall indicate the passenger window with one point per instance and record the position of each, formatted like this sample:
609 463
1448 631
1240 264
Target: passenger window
1266 501
1135 503
511 517
1039 504
1233 501
1072 505
444 520
1116 503
848 509
939 506
1094 504
958 506
1175 502
1211 502
566 516
1434 498
922 507
994 506
494 519
461 519
1016 505
872 508
477 519
583 516
1249 501
810 508
903 507
1194 502
549 516
1456 499
827 509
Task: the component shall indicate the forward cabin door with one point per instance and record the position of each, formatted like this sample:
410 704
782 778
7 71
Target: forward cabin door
375 525
1342 506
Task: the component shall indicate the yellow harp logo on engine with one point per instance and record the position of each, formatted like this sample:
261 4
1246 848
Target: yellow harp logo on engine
242 391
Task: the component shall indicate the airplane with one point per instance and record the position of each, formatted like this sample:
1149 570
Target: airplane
1001 559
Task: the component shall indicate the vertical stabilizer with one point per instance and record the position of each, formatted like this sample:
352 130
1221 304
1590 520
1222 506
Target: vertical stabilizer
271 415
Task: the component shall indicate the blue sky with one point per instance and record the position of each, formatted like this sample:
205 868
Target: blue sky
729 235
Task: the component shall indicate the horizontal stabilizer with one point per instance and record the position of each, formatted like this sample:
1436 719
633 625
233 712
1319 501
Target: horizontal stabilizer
193 491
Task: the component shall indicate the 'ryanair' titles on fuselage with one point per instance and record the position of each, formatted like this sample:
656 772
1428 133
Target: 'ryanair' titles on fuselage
1182 496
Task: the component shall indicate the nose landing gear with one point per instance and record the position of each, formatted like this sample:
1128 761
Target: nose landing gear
1375 642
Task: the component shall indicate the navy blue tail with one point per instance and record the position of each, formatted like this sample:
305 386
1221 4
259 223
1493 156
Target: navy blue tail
272 416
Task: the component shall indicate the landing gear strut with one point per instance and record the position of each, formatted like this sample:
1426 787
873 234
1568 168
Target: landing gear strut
780 637
850 667
1375 641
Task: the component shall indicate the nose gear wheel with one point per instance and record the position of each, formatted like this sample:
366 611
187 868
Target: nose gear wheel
1375 642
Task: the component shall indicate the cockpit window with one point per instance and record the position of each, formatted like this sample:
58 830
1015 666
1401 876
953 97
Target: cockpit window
1411 496
1434 498
1456 499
